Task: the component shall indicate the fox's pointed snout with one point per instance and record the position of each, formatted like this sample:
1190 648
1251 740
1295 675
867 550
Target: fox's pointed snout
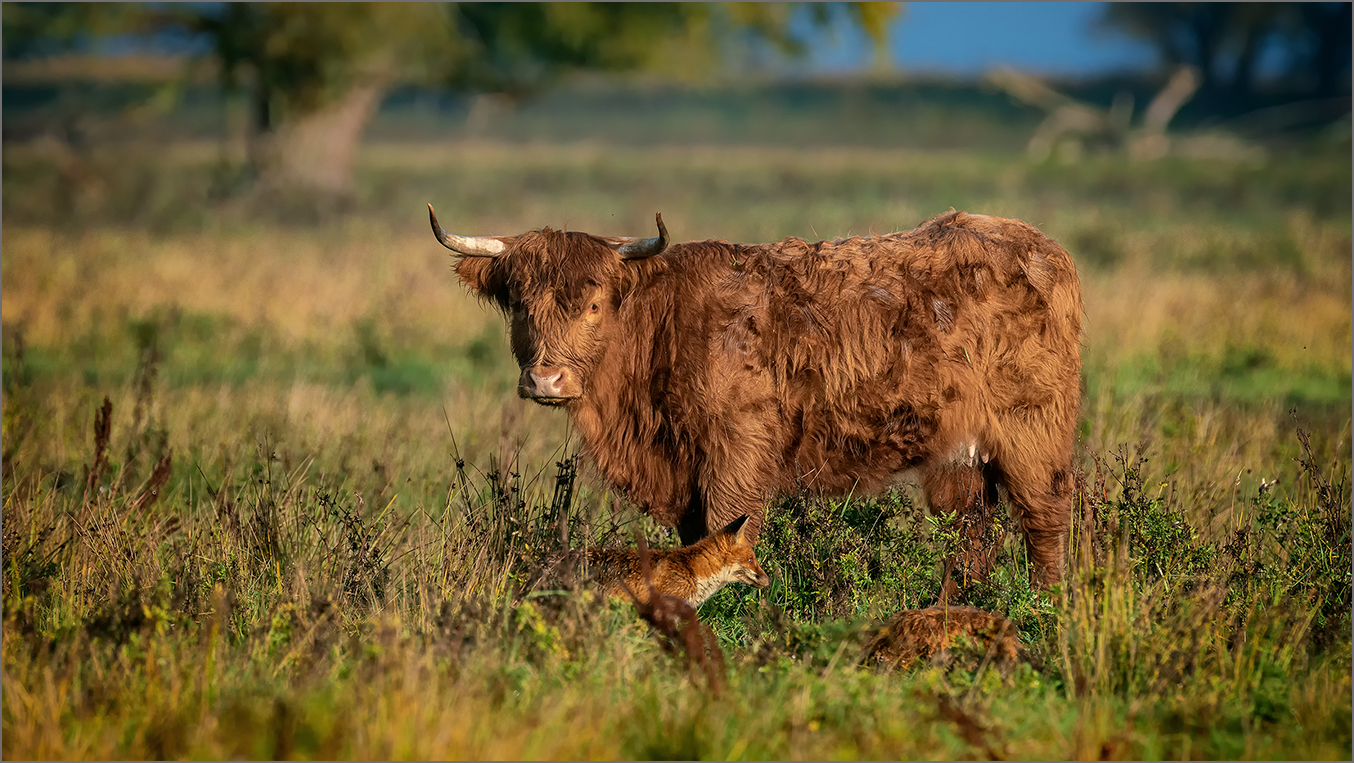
759 578
750 572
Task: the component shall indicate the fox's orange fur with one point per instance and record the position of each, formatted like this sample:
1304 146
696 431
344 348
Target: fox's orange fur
692 573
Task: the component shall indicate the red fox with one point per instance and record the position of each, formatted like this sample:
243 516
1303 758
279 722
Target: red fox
692 573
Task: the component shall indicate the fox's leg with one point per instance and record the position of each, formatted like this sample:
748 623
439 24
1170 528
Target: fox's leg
970 491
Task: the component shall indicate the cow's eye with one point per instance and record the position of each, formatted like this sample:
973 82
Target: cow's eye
593 308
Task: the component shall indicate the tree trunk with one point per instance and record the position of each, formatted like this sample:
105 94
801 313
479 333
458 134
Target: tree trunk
1333 46
1205 30
1243 79
314 151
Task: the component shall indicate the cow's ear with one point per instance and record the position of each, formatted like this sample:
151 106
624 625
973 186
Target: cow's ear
486 277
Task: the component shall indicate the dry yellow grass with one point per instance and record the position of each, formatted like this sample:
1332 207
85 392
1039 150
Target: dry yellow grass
299 286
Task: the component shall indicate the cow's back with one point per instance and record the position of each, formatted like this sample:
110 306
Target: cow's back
889 350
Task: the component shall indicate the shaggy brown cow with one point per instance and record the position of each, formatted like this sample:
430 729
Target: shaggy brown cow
707 378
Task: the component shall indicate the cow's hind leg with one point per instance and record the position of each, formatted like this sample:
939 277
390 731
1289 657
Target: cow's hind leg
1041 501
970 491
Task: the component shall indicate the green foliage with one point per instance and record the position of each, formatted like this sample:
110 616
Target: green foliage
831 559
1311 535
316 72
522 46
311 53
305 605
1161 542
38 29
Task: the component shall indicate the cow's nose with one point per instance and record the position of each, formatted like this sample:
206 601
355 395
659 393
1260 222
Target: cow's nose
546 382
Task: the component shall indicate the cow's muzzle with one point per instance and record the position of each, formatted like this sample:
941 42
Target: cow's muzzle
548 385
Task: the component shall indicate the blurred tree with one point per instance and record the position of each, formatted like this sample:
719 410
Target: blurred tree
315 73
517 49
1323 39
1225 41
38 29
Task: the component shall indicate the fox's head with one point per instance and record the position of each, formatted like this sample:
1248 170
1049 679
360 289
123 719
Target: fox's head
740 563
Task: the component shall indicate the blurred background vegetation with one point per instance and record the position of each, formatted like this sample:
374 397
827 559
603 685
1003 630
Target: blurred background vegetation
312 493
312 76
291 89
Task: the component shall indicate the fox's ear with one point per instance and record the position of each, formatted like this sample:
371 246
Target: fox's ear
735 528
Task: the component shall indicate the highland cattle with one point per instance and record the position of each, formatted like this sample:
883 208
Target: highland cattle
707 378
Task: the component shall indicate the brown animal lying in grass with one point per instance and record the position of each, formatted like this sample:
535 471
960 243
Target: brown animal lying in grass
692 573
929 633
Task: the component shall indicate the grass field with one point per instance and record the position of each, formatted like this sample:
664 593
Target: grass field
300 525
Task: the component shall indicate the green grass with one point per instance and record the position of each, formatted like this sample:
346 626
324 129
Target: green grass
333 564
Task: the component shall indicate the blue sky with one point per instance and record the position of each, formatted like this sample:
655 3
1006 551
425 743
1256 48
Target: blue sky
969 38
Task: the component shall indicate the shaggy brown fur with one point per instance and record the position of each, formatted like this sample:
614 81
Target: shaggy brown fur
709 379
692 573
928 633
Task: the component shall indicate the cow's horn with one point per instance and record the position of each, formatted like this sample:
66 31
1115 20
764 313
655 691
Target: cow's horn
469 246
646 247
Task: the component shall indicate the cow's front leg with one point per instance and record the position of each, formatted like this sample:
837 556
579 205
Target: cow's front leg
737 477
715 506
692 526
970 491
